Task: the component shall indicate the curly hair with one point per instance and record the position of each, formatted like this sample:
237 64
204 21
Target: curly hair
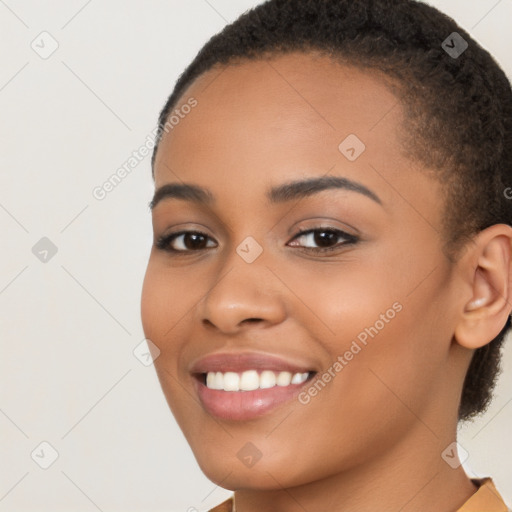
458 109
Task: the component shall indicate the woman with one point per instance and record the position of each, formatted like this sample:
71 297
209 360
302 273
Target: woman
330 282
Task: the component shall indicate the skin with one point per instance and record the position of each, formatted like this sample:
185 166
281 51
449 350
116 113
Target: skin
375 434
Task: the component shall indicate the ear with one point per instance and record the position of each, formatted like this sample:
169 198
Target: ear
488 273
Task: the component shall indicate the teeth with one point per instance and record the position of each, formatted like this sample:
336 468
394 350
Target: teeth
284 379
251 379
210 380
299 378
215 380
267 379
231 381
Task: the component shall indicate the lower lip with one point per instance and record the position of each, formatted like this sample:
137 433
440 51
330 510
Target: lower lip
245 405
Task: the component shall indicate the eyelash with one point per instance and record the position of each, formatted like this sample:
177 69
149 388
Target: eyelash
163 243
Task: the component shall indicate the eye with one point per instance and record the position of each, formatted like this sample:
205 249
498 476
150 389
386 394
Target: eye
183 242
327 239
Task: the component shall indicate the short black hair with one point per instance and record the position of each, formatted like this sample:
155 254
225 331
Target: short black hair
458 105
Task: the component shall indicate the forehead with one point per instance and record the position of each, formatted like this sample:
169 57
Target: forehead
304 99
312 86
267 121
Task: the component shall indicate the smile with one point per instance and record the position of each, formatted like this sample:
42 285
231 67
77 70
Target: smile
244 386
252 379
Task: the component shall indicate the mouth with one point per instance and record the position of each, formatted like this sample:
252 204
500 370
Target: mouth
251 380
241 387
250 394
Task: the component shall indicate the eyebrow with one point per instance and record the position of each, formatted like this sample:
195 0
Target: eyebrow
278 194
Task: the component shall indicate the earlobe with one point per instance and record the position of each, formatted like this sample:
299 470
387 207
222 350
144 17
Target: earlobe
484 315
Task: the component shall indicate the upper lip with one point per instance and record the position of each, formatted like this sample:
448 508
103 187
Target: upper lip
242 361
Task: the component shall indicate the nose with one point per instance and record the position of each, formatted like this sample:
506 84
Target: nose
243 294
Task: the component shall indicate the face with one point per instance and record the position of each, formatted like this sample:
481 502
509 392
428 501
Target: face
341 285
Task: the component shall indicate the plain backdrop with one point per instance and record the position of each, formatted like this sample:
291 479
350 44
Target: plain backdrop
70 319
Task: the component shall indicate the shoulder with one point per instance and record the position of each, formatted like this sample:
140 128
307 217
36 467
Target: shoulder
485 498
225 506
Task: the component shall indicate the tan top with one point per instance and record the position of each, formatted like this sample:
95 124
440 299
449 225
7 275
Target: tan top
485 499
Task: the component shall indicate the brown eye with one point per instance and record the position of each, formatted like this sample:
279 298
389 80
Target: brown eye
184 241
325 239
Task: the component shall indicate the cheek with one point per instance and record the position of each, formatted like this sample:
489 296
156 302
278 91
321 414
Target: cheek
166 303
380 331
343 302
375 390
163 318
166 298
393 351
153 300
161 312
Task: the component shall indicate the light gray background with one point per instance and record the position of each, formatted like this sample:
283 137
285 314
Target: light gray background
69 326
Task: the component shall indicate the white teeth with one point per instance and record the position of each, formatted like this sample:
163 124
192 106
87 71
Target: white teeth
267 379
210 380
299 378
284 379
219 381
251 379
231 381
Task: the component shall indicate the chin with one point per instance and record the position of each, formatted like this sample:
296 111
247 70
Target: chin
267 473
